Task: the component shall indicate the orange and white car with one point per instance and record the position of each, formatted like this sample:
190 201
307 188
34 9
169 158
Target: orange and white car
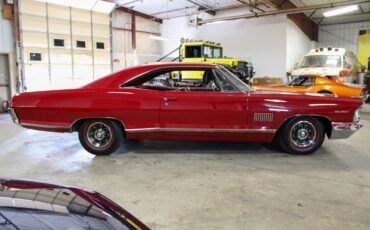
320 84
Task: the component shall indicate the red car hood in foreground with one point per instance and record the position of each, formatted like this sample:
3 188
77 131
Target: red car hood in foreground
56 203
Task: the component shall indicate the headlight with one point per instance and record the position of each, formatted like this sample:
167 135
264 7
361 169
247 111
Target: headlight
356 116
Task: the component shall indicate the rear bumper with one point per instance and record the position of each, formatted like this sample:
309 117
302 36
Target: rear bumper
342 130
14 116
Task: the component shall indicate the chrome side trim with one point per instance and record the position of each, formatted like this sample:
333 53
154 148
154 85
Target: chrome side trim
45 126
200 130
14 116
342 130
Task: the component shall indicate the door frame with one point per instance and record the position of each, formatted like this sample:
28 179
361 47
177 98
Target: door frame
9 85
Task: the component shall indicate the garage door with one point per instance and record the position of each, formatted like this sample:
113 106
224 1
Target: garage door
63 47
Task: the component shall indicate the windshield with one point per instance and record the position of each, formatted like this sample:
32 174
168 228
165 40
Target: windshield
217 52
241 85
315 61
208 52
302 81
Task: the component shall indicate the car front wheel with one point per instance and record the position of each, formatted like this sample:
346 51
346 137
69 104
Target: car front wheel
302 135
100 137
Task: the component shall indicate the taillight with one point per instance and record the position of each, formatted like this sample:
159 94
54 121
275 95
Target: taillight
364 91
343 73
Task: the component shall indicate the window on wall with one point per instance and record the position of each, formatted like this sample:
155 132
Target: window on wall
81 44
59 42
100 45
35 56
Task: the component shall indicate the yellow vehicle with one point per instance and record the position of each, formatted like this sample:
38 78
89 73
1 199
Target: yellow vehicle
210 52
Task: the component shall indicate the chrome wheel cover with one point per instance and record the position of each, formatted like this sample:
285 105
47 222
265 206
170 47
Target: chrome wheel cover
303 134
99 134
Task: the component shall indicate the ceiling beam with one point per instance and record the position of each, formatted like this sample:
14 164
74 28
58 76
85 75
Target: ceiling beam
139 14
253 6
344 16
312 13
304 22
203 7
173 10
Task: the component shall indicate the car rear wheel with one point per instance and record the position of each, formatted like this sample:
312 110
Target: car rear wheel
302 135
100 137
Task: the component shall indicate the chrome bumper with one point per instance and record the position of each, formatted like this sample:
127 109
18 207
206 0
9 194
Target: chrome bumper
342 130
14 116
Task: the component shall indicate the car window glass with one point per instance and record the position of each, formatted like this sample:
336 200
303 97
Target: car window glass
182 80
314 61
302 81
224 84
193 51
235 81
208 52
217 52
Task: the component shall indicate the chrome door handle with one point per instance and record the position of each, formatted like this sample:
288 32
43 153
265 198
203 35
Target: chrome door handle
169 99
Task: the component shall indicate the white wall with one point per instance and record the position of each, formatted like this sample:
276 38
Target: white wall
298 44
273 44
147 50
341 35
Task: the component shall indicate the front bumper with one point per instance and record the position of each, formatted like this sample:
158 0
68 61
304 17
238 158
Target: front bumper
342 130
14 116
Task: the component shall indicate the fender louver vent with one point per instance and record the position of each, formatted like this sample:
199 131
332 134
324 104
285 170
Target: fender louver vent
263 117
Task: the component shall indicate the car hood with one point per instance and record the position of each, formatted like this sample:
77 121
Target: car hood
54 200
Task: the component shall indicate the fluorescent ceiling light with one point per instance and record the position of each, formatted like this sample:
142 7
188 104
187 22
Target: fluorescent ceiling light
155 37
216 22
342 10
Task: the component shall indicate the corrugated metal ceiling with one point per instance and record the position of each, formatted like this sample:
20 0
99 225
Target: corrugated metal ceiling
167 9
174 8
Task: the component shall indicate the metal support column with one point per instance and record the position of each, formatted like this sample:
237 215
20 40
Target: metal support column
48 37
92 43
71 37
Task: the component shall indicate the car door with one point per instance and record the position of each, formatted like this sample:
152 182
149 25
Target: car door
210 114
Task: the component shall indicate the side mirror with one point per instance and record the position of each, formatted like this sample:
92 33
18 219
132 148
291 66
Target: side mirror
296 65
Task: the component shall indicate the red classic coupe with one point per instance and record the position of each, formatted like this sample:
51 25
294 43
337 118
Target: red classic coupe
37 205
154 102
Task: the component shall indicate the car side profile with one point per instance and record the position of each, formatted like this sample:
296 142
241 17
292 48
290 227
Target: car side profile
154 102
320 84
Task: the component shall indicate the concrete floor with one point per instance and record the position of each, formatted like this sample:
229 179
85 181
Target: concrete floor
199 185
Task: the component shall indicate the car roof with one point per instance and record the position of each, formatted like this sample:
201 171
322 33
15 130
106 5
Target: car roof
180 64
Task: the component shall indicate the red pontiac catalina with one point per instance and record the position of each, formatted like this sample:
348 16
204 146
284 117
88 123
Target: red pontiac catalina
161 101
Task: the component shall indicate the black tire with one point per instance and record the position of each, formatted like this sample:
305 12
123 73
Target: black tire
302 135
107 133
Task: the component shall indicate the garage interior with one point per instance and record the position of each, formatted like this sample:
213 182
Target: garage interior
59 44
